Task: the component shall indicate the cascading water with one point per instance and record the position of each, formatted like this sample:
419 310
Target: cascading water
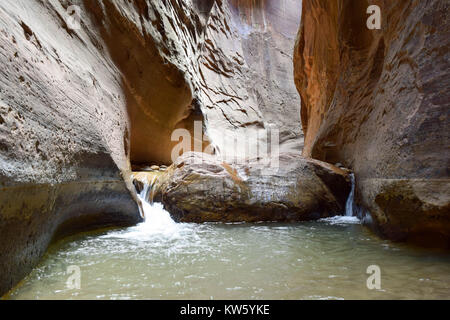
144 194
157 220
348 218
350 199
161 259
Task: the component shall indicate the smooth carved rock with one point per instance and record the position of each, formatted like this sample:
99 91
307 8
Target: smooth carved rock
377 101
76 105
226 64
64 135
200 187
156 46
246 73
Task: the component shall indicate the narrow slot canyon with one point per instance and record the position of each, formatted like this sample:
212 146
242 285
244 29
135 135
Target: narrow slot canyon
224 149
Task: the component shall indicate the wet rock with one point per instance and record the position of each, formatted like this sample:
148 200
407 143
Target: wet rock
377 101
145 178
200 187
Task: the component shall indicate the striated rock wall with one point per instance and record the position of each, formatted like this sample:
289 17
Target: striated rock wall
378 102
226 64
64 134
246 85
77 105
156 46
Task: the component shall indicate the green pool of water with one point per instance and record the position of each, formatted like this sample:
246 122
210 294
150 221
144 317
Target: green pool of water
160 259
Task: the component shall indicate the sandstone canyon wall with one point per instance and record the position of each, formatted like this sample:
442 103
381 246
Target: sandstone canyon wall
226 64
156 46
64 134
78 106
377 101
247 86
75 105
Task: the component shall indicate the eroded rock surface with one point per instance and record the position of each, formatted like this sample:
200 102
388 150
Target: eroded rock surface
64 134
246 85
378 102
200 187
156 46
226 64
77 104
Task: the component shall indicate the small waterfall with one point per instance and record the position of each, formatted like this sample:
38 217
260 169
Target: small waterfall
148 191
350 199
157 220
143 194
349 217
152 190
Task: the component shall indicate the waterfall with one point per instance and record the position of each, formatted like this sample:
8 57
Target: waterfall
349 203
157 220
145 194
348 218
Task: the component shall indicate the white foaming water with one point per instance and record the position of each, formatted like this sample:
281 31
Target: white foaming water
349 218
157 225
157 220
341 220
349 204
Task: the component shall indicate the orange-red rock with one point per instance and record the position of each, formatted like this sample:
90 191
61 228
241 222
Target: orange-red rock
378 102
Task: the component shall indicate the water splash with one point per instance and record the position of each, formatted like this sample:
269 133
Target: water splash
158 224
349 217
350 199
148 191
341 220
156 218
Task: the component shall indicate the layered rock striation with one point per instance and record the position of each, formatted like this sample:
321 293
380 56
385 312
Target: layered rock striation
83 95
246 86
64 134
377 101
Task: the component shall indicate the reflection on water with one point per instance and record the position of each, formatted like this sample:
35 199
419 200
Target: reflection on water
160 259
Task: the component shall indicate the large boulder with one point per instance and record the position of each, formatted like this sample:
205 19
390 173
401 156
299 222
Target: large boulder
200 188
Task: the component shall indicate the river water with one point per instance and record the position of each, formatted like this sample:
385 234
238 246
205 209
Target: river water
160 259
